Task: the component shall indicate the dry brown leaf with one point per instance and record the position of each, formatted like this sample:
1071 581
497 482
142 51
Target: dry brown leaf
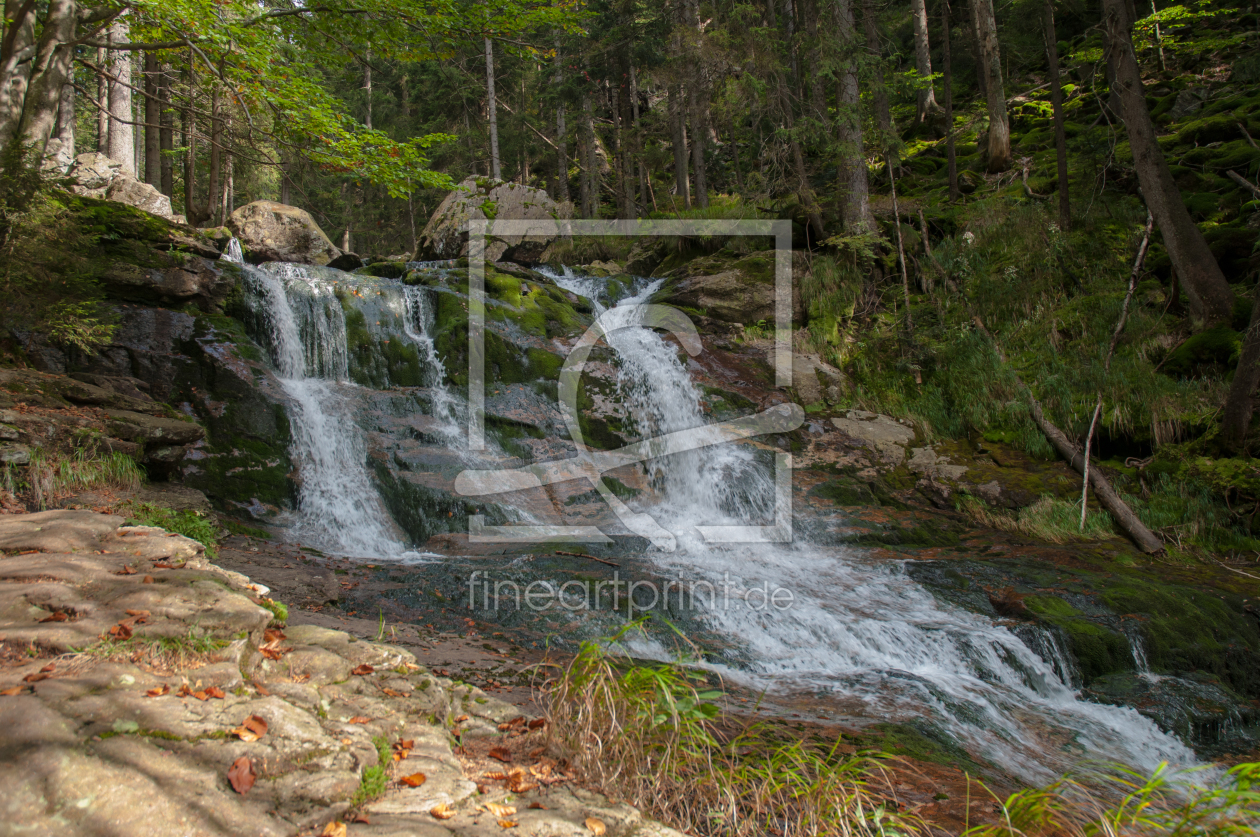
359 719
500 810
405 744
126 570
520 785
164 689
55 616
538 806
35 677
11 691
596 826
334 829
241 775
363 669
495 776
415 780
518 721
163 565
501 754
505 823
538 723
148 579
392 692
461 719
251 729
49 668
215 692
442 811
273 635
120 631
536 752
261 689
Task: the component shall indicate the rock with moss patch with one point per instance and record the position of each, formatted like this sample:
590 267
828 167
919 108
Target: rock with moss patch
731 289
480 199
275 232
97 176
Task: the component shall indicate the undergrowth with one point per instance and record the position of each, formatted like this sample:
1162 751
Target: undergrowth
375 776
1049 519
191 524
49 478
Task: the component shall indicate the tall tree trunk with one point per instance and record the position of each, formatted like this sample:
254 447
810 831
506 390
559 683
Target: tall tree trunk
1056 104
496 172
991 55
804 193
16 51
590 208
977 55
1236 417
562 141
817 96
1211 300
698 130
152 118
50 70
102 98
66 128
640 168
855 197
122 136
367 88
947 67
926 98
879 87
166 133
679 127
188 126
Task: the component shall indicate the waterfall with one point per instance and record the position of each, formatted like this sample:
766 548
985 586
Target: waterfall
305 330
860 638
232 253
418 325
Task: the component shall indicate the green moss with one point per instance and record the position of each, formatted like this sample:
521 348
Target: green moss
1217 345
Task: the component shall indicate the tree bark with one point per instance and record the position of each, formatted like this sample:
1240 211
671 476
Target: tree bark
166 135
926 96
1056 104
188 125
855 198
991 67
562 142
590 203
879 88
951 155
16 53
102 98
698 129
152 120
66 127
1209 294
50 70
1236 418
495 170
367 88
122 138
679 127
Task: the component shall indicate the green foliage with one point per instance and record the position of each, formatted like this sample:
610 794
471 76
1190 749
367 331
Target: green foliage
279 610
189 523
49 477
375 776
1049 519
235 527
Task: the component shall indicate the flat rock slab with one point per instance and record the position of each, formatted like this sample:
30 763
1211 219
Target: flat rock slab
129 665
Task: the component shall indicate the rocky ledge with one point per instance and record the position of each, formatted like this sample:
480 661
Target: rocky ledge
146 691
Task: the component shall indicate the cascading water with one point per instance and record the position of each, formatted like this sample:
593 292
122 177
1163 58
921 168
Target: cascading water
305 329
859 634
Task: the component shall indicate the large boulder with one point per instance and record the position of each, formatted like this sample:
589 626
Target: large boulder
733 289
97 176
193 279
480 198
275 232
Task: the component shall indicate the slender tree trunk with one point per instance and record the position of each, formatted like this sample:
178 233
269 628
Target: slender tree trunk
926 98
367 88
1060 134
990 53
640 168
122 138
1209 294
804 193
286 187
66 127
879 88
562 140
591 203
166 136
189 129
817 95
948 81
16 50
152 118
49 71
698 130
1239 404
977 54
495 169
901 251
679 127
102 98
855 198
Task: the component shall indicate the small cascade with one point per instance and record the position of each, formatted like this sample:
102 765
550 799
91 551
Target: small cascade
1137 646
232 253
860 635
305 329
418 325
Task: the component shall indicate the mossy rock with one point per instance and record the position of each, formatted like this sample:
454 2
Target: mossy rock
1218 345
385 270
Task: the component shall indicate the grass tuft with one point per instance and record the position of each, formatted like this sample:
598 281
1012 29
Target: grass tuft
1049 519
191 524
51 478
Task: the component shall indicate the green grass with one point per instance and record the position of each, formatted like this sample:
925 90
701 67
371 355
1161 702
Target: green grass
375 776
235 527
1049 519
191 524
50 478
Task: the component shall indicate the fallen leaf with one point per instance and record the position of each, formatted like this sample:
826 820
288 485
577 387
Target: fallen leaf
596 826
11 691
461 719
241 775
201 695
363 669
362 819
126 570
251 729
498 777
334 829
507 823
392 692
500 754
163 565
518 721
538 723
184 690
261 689
164 689
538 806
442 811
273 634
215 692
415 780
142 616
35 678
405 744
500 810
120 631
359 719
536 752
55 616
49 667
148 579
520 785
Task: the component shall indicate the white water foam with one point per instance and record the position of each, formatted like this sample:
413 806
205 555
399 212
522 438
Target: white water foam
859 634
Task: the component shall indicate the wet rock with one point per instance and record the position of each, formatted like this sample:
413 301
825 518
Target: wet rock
131 426
275 232
348 262
886 435
15 455
735 290
478 198
814 380
194 279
